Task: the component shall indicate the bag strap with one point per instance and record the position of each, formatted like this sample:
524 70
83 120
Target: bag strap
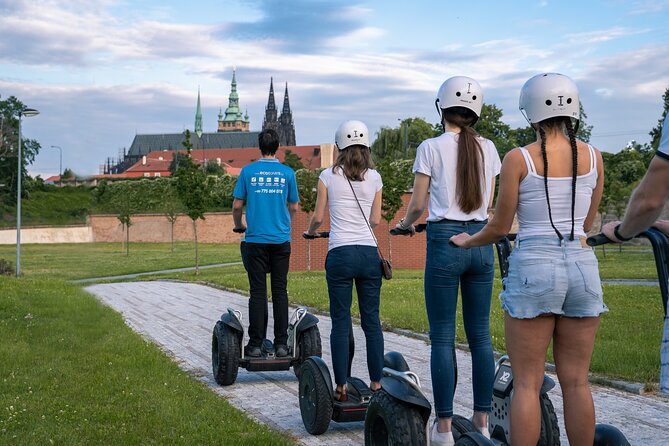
364 216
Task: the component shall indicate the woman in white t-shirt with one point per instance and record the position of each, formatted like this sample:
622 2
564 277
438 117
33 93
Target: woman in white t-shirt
458 169
552 293
350 188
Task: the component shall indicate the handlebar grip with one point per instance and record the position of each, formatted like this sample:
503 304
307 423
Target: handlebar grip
323 234
421 227
598 239
239 230
398 231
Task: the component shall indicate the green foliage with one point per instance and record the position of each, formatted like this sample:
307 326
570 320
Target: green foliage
490 126
397 180
68 174
584 130
213 168
657 130
221 189
401 142
192 189
307 188
292 160
49 205
178 159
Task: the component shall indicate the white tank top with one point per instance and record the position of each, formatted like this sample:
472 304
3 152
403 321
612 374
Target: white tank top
532 210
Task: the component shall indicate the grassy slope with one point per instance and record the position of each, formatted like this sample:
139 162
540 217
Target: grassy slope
79 375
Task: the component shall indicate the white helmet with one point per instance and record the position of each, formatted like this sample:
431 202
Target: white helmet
549 95
351 133
460 91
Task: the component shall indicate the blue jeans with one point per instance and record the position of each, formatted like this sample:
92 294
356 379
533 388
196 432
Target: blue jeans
447 268
344 266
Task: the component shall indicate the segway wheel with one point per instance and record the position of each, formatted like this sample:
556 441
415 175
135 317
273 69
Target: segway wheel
473 439
392 422
225 354
550 430
308 345
460 426
315 400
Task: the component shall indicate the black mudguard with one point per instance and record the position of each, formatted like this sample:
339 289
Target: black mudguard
231 321
401 390
547 385
308 321
323 368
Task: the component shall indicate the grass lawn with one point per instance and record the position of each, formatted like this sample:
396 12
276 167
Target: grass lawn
73 373
80 261
628 341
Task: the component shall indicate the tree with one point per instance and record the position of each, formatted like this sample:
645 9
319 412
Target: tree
490 126
170 204
193 191
307 189
584 130
657 130
401 142
221 191
213 168
177 160
9 134
292 160
397 179
68 174
121 198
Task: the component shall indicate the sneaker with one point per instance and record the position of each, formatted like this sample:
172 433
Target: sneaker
440 438
281 351
252 351
485 432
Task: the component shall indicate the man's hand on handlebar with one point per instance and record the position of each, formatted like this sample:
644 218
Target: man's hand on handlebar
239 229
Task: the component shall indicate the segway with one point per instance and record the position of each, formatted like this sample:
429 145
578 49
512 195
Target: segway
227 352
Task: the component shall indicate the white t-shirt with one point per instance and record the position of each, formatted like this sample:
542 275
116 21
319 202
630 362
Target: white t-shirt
347 225
663 148
438 158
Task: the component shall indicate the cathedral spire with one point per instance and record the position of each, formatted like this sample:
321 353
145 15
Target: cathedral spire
286 102
271 105
198 116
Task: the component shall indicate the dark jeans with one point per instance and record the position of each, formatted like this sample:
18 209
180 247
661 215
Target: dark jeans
344 266
261 258
447 268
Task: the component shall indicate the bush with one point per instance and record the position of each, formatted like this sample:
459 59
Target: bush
6 268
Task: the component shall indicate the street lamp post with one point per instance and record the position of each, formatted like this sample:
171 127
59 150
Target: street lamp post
60 165
27 112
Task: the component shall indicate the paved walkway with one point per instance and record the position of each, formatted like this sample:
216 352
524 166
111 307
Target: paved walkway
179 317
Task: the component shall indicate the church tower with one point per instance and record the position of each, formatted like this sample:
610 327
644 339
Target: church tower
233 121
286 125
198 116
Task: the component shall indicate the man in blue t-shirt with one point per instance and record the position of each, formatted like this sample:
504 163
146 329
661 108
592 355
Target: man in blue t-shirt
269 190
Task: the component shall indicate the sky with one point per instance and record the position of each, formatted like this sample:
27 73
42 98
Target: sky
102 71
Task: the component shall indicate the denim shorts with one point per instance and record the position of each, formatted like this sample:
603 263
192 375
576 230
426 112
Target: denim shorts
549 277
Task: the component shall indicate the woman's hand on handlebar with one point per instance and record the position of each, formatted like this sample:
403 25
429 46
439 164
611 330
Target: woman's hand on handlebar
409 230
662 225
460 240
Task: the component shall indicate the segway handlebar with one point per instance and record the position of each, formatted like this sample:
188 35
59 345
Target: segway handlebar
419 228
598 239
323 234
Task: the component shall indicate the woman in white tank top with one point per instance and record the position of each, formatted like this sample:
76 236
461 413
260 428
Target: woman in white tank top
552 291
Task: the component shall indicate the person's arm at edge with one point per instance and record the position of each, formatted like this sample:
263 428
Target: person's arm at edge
646 202
375 214
416 207
237 211
507 203
319 210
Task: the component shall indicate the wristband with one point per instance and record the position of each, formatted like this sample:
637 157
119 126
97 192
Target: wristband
401 224
620 237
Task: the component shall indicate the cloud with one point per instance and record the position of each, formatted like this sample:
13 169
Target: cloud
649 7
301 25
605 35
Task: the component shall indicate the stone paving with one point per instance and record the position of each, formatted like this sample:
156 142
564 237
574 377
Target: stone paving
179 318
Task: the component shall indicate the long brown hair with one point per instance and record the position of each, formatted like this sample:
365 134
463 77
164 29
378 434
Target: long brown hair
354 162
468 183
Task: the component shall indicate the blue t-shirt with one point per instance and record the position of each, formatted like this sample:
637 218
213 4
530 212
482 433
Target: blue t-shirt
267 186
663 149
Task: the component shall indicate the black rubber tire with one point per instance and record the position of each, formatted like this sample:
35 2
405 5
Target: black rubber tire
550 430
393 422
460 425
309 344
225 354
315 400
473 439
